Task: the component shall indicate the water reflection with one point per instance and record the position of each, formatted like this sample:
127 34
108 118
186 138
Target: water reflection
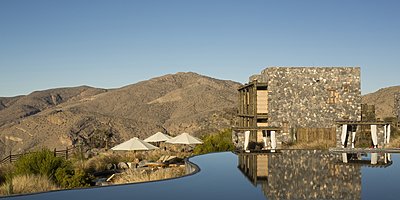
309 174
370 160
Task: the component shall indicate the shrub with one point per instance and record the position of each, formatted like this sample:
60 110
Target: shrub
221 141
42 162
99 163
66 177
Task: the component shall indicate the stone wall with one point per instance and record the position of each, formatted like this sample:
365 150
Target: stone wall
301 95
259 78
396 108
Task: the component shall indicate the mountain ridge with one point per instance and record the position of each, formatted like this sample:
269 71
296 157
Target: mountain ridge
173 103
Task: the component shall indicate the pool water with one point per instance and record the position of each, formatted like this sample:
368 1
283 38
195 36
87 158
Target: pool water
309 174
281 175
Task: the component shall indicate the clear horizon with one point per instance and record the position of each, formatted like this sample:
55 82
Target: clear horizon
109 44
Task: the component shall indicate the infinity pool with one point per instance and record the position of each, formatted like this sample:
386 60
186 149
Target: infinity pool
272 176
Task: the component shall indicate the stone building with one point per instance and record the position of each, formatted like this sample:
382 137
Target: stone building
296 100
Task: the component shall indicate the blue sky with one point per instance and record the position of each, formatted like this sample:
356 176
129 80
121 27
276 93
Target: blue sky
108 44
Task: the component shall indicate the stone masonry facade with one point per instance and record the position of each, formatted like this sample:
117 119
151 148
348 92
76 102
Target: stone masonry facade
396 108
313 97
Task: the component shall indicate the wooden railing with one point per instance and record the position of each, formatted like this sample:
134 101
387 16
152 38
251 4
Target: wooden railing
64 153
314 134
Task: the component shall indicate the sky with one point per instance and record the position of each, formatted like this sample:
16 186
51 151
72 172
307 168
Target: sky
109 44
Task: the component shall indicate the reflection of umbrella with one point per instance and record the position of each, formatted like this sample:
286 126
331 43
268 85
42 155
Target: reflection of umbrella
184 138
158 137
134 144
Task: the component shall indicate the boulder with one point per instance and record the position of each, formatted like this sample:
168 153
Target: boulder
100 181
111 166
168 158
173 160
142 163
122 165
132 165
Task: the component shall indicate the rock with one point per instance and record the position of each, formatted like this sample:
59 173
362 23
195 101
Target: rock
173 160
100 181
142 163
123 165
167 158
111 166
131 165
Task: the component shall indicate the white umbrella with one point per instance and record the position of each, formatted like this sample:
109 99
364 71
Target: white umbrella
134 144
184 138
158 137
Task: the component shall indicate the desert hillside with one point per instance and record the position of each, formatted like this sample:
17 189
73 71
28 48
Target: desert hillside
383 99
92 117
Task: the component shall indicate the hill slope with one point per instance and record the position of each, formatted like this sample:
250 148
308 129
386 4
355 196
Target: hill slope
383 99
182 102
14 108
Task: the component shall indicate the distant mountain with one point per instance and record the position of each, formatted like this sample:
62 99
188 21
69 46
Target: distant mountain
14 108
92 117
383 99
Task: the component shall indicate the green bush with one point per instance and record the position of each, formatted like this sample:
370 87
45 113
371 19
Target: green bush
219 142
58 169
67 177
42 162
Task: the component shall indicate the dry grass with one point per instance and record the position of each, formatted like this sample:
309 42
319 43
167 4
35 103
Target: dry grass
137 175
5 170
395 143
98 163
318 144
27 184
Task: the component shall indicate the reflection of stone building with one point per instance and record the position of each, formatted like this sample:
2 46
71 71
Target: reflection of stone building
304 174
298 100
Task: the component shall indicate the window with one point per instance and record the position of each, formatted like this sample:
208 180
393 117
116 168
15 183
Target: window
333 96
346 87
